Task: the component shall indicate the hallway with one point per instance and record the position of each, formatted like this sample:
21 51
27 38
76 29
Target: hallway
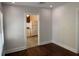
32 41
32 30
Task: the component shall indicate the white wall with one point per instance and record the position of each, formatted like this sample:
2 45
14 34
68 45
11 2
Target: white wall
77 31
64 26
14 28
1 31
45 26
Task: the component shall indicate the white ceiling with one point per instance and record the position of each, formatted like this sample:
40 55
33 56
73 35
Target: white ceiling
36 4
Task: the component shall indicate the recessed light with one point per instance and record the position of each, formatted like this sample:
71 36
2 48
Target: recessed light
51 6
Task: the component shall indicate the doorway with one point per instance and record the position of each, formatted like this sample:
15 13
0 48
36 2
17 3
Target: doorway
32 30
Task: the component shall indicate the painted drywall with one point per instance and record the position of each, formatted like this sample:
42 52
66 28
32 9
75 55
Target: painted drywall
63 23
14 28
64 26
14 20
77 31
1 31
45 25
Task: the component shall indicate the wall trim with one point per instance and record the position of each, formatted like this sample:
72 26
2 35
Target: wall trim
15 49
76 31
42 43
45 42
66 47
24 47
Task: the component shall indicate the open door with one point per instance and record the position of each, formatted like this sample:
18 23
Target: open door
32 28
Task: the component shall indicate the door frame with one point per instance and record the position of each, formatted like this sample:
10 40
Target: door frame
76 31
2 35
25 31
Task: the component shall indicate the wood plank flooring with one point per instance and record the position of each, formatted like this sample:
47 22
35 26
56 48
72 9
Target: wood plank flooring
44 50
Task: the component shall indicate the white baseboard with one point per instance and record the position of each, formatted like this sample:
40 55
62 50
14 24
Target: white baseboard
24 47
66 47
15 49
45 42
42 43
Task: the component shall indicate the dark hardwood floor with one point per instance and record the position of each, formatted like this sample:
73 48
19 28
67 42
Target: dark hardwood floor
44 50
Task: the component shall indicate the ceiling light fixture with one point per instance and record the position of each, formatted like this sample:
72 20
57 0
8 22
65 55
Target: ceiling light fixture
51 6
27 15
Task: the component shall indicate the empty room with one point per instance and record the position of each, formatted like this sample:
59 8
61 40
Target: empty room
39 28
